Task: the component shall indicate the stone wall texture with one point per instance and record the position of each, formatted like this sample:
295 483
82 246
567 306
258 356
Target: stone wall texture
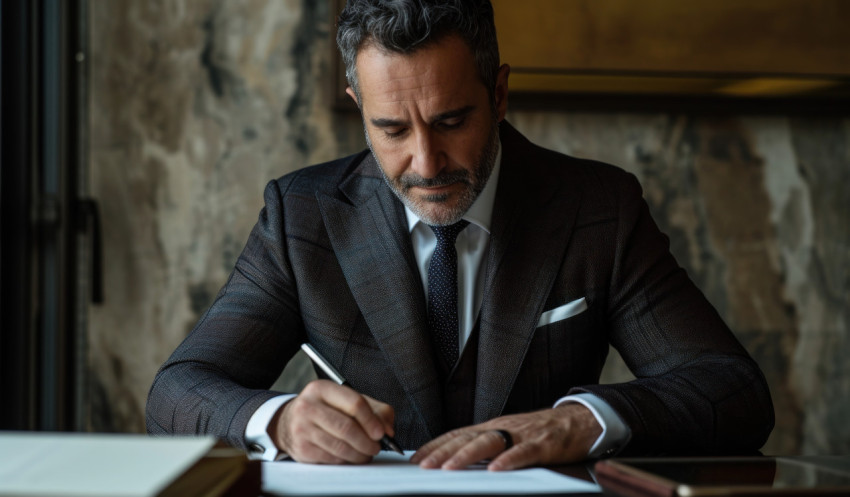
195 105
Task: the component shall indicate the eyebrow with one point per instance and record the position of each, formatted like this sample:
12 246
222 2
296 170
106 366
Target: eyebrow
386 122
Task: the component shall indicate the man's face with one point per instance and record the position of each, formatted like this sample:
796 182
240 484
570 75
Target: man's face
431 124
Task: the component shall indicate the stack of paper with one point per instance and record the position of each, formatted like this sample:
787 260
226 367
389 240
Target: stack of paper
65 464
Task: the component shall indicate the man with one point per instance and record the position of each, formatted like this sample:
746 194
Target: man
484 346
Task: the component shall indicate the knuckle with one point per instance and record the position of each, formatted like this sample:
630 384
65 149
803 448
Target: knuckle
338 447
298 408
301 450
526 452
494 438
344 426
296 429
361 406
300 413
465 452
310 388
527 448
385 411
457 432
351 431
454 436
316 388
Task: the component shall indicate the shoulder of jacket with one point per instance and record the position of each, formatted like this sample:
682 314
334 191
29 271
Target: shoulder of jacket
325 177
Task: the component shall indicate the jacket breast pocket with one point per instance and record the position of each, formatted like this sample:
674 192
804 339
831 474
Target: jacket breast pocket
549 366
577 349
560 313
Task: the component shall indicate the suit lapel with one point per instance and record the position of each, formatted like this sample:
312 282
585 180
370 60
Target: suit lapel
370 239
532 223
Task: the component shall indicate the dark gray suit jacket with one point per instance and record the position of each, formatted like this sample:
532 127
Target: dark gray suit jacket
330 262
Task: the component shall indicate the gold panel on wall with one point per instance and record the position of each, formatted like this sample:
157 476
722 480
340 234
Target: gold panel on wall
747 48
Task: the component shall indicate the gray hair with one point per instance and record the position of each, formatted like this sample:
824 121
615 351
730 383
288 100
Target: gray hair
404 26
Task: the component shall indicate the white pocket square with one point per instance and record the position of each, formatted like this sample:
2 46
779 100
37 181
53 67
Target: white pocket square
563 312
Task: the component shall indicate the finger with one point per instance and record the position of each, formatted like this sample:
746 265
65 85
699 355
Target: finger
342 450
349 402
429 448
486 445
440 450
426 450
344 432
385 412
313 454
518 456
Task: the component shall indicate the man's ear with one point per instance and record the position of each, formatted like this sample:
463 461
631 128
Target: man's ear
501 91
352 95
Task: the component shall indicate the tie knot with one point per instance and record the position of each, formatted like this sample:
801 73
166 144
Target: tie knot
448 234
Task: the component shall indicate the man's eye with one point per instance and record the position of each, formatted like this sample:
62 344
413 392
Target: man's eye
394 133
452 123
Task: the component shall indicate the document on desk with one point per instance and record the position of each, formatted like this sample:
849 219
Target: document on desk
73 464
392 474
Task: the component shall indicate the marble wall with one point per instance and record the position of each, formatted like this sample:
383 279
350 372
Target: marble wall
196 104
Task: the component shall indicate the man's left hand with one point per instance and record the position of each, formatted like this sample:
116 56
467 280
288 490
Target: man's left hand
560 435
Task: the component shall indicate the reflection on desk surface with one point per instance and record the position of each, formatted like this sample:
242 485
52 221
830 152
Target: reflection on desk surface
801 475
813 471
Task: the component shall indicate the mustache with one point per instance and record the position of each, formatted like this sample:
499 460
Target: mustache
410 180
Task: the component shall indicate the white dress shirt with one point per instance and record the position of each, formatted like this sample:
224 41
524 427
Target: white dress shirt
471 245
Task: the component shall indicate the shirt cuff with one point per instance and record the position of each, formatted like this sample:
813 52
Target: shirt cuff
615 434
260 444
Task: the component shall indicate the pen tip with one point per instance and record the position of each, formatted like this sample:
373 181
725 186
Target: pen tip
390 444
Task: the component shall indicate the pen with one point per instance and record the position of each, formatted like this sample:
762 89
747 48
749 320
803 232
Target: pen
387 442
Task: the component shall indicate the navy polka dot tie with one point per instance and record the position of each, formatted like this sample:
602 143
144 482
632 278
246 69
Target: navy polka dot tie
442 290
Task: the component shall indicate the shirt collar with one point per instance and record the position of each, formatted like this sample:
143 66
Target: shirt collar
481 211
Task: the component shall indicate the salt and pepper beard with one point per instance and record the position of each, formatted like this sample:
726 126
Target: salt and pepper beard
474 184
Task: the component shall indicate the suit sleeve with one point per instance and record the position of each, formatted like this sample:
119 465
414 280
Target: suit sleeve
696 388
220 374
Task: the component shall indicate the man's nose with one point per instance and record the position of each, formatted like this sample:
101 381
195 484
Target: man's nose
428 158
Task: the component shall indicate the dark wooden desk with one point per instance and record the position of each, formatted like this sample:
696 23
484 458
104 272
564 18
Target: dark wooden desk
798 476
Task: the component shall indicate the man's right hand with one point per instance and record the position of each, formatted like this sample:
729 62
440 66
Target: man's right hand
331 424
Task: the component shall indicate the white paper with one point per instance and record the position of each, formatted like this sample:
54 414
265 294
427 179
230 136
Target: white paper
392 474
76 464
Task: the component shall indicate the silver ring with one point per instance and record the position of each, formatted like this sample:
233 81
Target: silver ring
509 440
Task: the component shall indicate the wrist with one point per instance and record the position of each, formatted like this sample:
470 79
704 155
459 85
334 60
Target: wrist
277 428
614 435
582 422
260 432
